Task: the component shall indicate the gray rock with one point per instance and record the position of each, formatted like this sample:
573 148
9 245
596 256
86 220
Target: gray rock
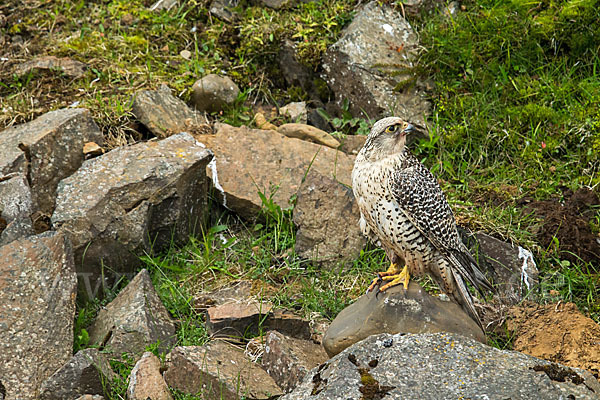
511 268
294 72
16 208
163 5
251 160
130 201
71 68
164 114
47 150
218 371
440 366
397 311
223 9
326 215
135 319
146 381
213 93
90 397
87 372
37 292
288 359
372 65
295 111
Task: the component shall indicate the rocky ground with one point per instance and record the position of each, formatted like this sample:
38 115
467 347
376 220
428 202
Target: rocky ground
202 242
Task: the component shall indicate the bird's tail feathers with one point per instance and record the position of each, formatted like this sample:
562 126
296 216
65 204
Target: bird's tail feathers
466 299
469 270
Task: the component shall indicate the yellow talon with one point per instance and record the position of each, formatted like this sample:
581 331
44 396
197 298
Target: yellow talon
403 277
393 274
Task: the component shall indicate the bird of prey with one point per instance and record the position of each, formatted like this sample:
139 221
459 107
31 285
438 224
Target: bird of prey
402 206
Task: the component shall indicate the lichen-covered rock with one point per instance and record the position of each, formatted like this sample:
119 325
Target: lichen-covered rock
440 366
146 381
16 207
87 372
372 65
397 311
326 215
249 161
37 293
164 114
135 319
288 359
130 201
218 371
46 150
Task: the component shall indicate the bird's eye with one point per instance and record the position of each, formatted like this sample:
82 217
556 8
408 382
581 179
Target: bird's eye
391 128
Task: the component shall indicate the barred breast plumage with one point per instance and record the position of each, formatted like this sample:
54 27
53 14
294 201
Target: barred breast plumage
403 207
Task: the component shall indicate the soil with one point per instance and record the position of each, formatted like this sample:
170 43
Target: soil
569 222
556 332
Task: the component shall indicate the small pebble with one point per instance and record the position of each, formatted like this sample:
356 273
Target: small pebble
388 342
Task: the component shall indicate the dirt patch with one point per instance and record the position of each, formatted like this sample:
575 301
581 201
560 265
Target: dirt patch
569 223
557 332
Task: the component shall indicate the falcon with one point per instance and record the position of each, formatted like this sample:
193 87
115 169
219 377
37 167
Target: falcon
403 208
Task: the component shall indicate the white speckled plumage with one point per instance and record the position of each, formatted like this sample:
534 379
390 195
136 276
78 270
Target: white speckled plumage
402 205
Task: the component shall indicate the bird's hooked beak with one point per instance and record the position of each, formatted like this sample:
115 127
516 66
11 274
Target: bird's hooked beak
409 129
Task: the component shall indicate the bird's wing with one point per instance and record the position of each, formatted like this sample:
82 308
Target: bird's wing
421 199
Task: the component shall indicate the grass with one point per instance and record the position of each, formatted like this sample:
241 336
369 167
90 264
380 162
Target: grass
516 114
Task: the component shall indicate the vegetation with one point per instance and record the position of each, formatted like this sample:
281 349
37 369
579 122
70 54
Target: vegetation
516 115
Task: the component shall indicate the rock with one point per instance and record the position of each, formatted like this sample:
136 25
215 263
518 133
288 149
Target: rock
213 93
135 319
237 319
326 216
131 201
47 150
556 332
238 292
218 371
252 160
294 72
146 381
372 66
15 208
92 149
308 133
87 372
37 292
71 68
164 114
223 9
440 366
163 5
262 123
90 397
352 144
397 311
288 360
511 268
295 111
288 323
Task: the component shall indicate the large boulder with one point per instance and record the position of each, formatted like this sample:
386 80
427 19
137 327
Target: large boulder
218 371
372 65
326 215
47 150
440 366
130 201
397 311
135 319
16 207
249 161
37 292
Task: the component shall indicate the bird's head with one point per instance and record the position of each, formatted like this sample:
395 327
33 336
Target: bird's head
387 137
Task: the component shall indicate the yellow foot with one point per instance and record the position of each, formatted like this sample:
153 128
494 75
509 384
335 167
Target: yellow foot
402 278
392 272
